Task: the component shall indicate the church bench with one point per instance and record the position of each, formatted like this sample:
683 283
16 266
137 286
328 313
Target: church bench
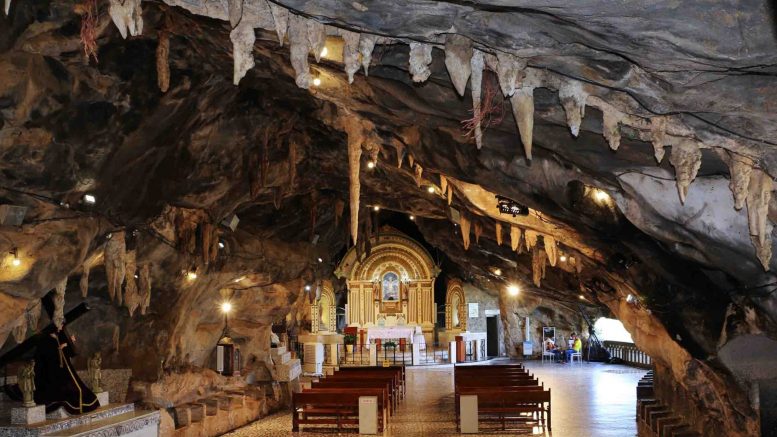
474 390
391 392
513 405
342 408
380 392
394 388
372 373
400 370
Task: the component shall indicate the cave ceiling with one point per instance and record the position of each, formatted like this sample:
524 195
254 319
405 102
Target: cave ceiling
240 127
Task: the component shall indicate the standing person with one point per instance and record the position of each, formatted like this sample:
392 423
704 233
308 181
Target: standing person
577 346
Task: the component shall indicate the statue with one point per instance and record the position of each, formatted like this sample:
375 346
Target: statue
95 373
26 381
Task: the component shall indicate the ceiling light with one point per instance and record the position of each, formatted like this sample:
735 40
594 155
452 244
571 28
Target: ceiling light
221 244
240 279
307 287
320 260
601 196
15 261
316 81
136 276
411 217
631 299
90 199
226 307
324 51
513 290
431 189
510 206
563 258
191 275
376 208
581 297
497 271
370 164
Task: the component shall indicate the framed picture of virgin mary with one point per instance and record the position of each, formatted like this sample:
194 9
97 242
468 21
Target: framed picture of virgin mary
390 287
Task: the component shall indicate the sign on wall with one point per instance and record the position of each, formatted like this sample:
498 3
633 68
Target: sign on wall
473 310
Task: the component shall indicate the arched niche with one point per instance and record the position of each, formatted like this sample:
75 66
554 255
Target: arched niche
395 282
323 310
455 307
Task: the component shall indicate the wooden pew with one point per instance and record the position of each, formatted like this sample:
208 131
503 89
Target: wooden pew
511 405
339 408
391 394
393 374
399 370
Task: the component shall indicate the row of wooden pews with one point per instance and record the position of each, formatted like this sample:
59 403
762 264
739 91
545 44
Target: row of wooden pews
334 400
505 393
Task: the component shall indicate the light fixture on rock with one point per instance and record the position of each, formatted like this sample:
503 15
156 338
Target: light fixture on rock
316 81
601 196
581 297
563 258
308 287
324 52
376 208
15 261
89 199
320 260
513 290
510 206
497 271
431 189
370 164
221 245
239 279
226 307
411 217
191 275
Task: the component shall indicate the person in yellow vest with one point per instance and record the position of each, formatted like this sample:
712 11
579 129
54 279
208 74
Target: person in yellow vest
577 346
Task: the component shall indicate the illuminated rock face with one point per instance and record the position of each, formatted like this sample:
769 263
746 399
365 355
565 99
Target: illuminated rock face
170 147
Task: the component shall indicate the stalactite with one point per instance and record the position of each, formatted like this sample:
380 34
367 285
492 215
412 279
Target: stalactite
611 119
400 148
740 168
366 46
339 208
476 66
131 295
450 194
59 304
356 136
418 171
316 37
115 253
658 136
573 99
465 229
214 244
551 249
313 213
350 53
127 16
759 194
478 232
162 60
277 197
420 58
515 237
89 17
299 49
280 16
498 229
7 7
531 239
235 12
686 159
243 38
411 160
144 287
523 111
20 330
507 70
538 259
33 315
443 183
206 235
83 284
458 53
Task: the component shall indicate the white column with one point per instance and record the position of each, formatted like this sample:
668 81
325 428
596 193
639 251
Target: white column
416 353
368 415
468 414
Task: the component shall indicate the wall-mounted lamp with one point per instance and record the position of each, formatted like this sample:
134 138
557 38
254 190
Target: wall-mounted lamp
513 290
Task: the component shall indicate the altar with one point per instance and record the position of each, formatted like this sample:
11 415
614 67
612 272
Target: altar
411 334
391 291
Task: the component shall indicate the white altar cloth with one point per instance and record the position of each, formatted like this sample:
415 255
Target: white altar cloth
412 334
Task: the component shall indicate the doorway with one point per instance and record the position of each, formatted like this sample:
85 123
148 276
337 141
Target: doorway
492 336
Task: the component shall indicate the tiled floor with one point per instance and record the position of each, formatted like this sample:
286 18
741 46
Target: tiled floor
589 400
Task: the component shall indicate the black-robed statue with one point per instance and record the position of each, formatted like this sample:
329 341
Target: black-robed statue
56 382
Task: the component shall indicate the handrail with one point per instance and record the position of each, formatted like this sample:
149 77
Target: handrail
629 353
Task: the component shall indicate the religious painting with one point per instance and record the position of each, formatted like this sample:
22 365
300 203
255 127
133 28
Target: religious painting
390 287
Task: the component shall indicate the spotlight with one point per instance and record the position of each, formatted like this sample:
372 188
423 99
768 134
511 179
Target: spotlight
601 196
320 260
498 271
226 307
631 299
563 258
324 52
15 261
370 164
510 206
376 208
136 276
316 81
90 199
307 287
581 297
513 290
431 189
239 279
221 244
191 275
411 217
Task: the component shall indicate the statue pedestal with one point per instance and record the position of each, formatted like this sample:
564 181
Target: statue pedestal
28 415
102 398
57 414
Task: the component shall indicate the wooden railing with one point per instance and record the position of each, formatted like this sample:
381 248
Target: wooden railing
629 353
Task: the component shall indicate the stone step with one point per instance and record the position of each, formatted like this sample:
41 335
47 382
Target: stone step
277 351
289 370
48 427
135 423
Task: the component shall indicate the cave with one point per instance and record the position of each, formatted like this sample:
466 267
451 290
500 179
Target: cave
214 205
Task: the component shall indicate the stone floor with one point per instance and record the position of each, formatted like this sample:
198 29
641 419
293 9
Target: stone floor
589 400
